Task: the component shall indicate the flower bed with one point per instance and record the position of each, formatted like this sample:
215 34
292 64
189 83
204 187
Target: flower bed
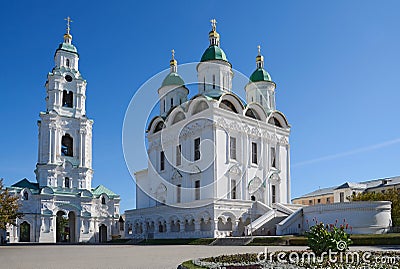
301 259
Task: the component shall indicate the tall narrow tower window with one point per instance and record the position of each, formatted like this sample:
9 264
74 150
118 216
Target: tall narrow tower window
213 81
261 99
66 183
273 157
172 102
178 193
67 99
273 191
204 84
232 145
233 189
197 190
67 145
178 155
254 153
197 149
162 161
67 62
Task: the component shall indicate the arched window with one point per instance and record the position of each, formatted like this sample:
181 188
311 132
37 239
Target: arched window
178 117
66 145
252 114
275 122
67 100
67 183
225 104
67 62
159 127
103 200
26 195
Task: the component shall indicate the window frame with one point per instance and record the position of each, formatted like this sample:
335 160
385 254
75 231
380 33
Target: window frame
232 148
178 153
197 190
254 153
196 152
162 160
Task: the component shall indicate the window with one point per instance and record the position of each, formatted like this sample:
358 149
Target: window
310 202
233 189
261 99
66 182
178 193
178 155
273 191
67 145
253 198
172 102
67 62
26 196
103 200
341 197
67 99
197 190
232 146
328 200
273 157
162 161
254 153
197 149
319 201
204 84
213 81
165 109
121 225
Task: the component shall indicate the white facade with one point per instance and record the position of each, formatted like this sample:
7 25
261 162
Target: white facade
359 217
212 159
62 206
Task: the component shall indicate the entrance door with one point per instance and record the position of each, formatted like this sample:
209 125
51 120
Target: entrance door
24 232
62 229
103 233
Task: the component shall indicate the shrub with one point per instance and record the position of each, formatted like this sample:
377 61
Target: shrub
322 238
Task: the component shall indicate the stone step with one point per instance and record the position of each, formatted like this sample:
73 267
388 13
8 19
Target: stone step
231 241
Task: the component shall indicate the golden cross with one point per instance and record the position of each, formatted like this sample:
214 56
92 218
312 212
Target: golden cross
68 19
173 54
259 49
213 24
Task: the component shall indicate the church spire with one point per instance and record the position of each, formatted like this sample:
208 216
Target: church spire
67 35
259 58
213 35
173 63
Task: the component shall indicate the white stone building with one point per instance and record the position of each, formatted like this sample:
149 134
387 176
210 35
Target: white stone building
217 165
62 206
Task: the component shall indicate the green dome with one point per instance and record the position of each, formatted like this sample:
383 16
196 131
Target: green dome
260 75
213 53
173 79
67 47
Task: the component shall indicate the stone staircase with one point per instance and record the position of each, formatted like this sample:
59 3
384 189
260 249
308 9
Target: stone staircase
231 241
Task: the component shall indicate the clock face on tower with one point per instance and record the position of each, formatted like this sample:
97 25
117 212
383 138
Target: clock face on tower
68 78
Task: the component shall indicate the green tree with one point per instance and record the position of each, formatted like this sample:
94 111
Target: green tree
8 207
391 195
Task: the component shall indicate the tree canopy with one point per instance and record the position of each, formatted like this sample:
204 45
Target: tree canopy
388 195
8 207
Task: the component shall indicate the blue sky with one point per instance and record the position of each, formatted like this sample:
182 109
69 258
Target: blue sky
336 65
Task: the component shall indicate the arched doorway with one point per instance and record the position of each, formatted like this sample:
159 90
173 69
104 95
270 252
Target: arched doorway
103 233
24 232
61 227
71 224
65 227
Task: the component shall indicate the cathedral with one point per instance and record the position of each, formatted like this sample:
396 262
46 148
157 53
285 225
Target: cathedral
62 206
217 165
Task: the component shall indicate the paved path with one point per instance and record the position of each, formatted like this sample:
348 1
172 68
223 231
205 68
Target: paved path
119 256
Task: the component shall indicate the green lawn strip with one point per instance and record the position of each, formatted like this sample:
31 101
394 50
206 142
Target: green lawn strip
181 241
270 241
190 265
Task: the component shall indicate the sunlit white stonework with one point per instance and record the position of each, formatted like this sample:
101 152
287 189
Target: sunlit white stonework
62 206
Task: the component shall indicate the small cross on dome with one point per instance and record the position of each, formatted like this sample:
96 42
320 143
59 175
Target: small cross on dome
214 24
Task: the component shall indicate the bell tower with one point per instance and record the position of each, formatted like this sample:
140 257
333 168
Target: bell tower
65 133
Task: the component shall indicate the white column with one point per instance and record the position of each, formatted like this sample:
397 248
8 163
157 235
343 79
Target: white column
50 135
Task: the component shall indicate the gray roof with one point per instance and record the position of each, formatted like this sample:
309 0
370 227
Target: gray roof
363 185
319 192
